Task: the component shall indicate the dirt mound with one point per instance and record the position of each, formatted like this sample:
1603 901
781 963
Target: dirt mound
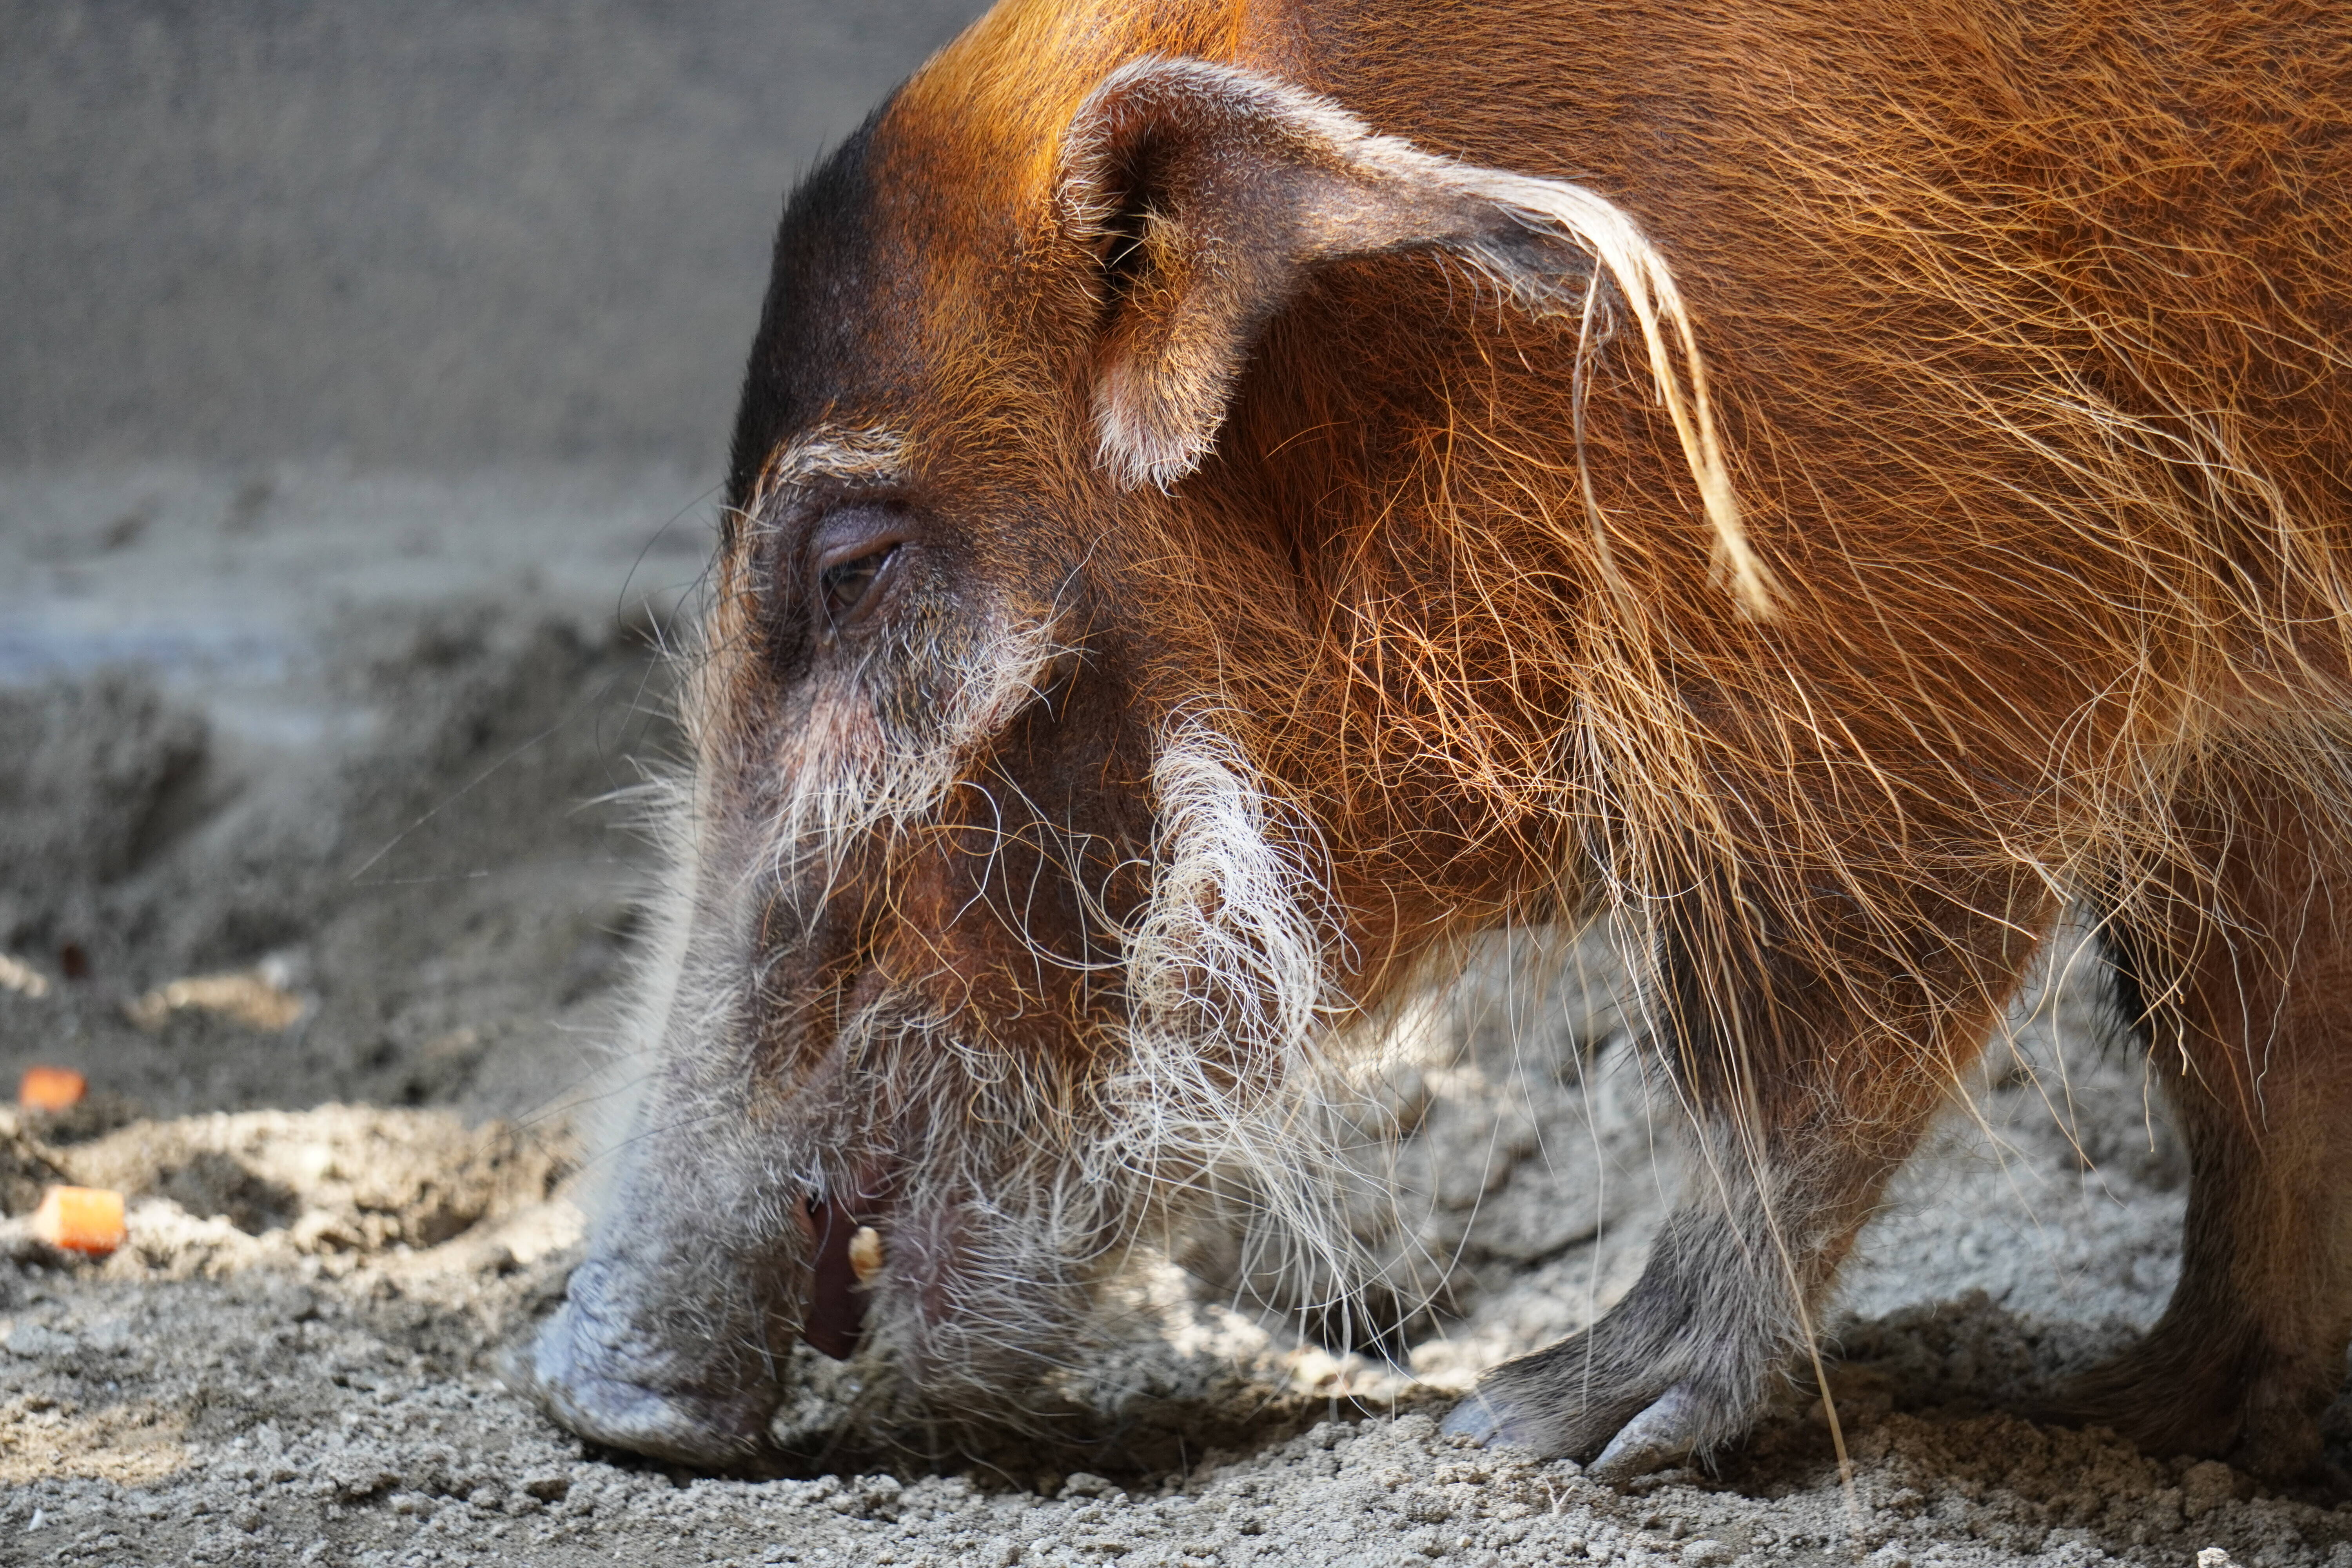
440 892
337 1181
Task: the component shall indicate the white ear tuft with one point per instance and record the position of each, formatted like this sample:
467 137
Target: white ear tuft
1142 441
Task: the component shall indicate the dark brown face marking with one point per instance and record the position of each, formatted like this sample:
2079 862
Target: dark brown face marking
811 352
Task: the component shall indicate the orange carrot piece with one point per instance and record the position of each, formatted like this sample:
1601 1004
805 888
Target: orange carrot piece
50 1088
80 1219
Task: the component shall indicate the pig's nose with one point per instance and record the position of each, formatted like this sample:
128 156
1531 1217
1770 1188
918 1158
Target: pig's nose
600 1369
847 1252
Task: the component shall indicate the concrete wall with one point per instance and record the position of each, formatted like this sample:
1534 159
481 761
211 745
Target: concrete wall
415 233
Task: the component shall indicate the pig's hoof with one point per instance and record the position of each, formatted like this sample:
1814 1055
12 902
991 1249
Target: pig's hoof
1666 1432
1669 1431
1624 1396
1483 1420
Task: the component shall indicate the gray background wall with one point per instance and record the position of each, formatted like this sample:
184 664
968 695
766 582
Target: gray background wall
412 233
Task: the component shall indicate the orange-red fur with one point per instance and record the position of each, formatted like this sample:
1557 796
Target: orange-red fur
2026 330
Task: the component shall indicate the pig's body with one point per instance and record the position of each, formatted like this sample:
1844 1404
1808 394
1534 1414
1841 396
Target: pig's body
1829 486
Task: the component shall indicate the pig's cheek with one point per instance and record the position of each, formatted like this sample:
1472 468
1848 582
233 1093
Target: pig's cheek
927 1260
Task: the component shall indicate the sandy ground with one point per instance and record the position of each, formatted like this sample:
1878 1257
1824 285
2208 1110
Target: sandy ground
337 734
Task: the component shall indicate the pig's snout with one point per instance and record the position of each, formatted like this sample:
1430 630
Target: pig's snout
674 1341
602 1371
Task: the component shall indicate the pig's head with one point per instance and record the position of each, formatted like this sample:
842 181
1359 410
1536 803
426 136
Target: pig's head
1090 719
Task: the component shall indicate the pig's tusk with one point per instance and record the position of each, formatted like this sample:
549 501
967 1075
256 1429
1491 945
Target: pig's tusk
865 1254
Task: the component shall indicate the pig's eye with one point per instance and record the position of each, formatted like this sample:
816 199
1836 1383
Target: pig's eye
846 585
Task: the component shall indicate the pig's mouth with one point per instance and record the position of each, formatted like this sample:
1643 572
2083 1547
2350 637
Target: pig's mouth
846 1256
887 1283
599 1373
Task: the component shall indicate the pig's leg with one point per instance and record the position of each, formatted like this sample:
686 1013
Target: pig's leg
1809 1084
2242 974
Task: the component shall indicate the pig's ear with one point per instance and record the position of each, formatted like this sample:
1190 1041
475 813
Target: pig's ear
1209 195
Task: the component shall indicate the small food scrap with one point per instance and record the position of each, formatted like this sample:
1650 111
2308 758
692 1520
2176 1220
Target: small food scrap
80 1219
50 1088
257 998
865 1254
17 975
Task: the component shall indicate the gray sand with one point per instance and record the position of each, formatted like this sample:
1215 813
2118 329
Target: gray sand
356 741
